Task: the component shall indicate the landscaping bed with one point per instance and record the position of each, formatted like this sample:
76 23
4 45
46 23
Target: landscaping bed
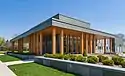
7 58
115 61
34 69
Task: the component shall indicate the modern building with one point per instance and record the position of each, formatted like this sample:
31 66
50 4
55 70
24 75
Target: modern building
62 34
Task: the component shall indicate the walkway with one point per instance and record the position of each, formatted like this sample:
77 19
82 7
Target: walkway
18 62
5 71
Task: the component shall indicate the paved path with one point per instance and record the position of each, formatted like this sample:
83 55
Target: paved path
18 62
5 71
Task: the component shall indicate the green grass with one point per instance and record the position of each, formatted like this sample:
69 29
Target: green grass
7 58
34 69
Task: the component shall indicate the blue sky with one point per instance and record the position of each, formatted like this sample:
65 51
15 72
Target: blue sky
17 16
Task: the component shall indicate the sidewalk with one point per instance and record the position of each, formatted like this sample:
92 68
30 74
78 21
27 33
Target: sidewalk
18 62
5 71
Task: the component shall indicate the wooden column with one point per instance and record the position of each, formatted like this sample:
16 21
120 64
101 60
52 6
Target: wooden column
62 42
37 48
94 44
29 39
82 43
20 45
41 43
110 45
54 40
91 43
104 45
87 43
12 47
34 43
76 44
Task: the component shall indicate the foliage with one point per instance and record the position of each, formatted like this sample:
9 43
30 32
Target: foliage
117 60
123 64
24 53
66 57
58 56
101 58
108 62
80 58
92 59
72 57
2 41
84 53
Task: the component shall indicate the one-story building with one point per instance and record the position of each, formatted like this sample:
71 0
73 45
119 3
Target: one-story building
63 34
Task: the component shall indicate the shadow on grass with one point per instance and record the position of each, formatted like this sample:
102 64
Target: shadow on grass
59 69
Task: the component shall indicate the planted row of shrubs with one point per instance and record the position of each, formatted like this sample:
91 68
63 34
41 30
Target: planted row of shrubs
90 59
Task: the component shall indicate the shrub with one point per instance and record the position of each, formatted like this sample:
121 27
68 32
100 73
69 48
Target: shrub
48 55
80 59
72 57
108 62
66 57
123 64
117 60
101 58
92 59
84 53
58 56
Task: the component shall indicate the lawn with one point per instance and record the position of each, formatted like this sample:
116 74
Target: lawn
7 58
34 69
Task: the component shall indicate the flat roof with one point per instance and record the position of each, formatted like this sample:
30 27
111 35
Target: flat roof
66 22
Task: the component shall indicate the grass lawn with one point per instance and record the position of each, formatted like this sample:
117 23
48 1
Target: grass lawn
34 69
7 58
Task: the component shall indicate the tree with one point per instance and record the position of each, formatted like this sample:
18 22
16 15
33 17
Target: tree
2 41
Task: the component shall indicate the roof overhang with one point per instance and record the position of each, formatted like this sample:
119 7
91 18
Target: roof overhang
61 22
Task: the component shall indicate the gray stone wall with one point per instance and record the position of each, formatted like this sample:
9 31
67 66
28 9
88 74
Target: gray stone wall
82 69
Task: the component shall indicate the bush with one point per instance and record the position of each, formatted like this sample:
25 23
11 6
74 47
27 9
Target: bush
117 60
101 58
92 59
84 53
58 56
123 64
48 55
72 57
80 59
108 62
66 57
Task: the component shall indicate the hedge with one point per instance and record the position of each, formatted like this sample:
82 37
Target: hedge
102 58
108 62
92 59
117 60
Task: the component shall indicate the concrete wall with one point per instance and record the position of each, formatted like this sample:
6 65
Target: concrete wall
23 57
82 69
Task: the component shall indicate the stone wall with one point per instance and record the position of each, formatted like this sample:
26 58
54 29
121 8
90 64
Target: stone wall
83 69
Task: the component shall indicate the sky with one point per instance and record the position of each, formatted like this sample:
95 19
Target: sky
17 16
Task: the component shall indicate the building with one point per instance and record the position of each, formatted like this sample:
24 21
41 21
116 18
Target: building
120 46
62 34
